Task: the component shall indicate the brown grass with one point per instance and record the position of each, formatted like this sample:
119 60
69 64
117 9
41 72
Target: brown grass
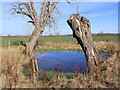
110 47
101 46
14 62
58 46
12 66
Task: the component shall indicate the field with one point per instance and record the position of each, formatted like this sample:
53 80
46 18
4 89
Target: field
16 72
14 40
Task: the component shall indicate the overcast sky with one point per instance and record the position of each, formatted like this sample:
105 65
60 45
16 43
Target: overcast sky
103 17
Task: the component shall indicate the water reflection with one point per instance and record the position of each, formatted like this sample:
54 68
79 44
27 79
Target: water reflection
66 60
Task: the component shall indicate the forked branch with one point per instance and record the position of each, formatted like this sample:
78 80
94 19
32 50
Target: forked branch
29 11
50 11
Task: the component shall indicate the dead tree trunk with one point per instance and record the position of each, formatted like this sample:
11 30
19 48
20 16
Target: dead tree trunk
81 31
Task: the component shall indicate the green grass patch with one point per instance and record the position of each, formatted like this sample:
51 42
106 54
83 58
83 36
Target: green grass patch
52 74
4 41
106 38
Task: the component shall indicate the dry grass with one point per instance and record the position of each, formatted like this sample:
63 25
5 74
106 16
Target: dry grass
101 46
110 47
112 71
14 62
12 68
58 46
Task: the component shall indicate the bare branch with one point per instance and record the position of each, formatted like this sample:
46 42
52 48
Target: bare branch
13 11
24 13
33 10
51 9
28 9
43 11
26 5
31 22
68 1
57 10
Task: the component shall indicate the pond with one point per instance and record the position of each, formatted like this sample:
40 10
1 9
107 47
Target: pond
64 61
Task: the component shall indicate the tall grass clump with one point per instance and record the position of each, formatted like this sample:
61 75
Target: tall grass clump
12 60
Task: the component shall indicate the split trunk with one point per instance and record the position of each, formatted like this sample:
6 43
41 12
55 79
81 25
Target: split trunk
81 31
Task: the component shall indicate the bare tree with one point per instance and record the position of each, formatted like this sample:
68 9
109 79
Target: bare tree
28 9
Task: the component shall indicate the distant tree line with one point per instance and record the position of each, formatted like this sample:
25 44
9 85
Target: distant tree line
108 34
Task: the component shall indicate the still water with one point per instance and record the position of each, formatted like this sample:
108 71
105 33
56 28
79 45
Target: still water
64 61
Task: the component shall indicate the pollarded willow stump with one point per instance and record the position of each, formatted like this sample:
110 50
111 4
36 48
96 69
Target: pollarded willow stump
81 31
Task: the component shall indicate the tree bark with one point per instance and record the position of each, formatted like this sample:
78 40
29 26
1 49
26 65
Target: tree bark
81 31
32 41
30 47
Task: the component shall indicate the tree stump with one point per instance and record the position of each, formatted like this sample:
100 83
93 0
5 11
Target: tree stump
81 31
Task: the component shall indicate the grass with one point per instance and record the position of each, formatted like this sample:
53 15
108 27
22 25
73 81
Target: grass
55 39
15 72
51 74
47 46
54 49
106 38
14 61
12 40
